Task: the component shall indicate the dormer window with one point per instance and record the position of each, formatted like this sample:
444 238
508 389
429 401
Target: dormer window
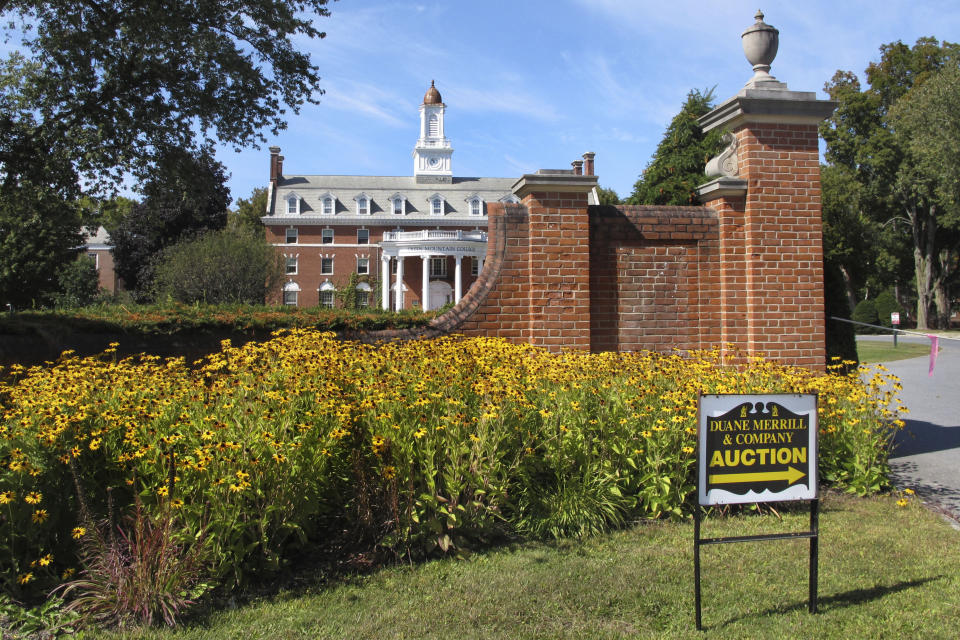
475 205
363 205
293 204
510 199
436 205
328 205
398 205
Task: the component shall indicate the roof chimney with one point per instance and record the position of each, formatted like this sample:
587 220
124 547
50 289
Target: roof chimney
279 167
577 167
274 164
588 163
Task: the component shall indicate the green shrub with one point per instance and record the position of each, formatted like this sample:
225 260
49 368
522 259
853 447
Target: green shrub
866 311
886 304
229 266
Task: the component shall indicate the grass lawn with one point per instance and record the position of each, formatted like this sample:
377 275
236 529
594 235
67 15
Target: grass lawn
872 351
885 572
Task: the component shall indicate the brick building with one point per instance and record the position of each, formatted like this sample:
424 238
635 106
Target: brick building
425 235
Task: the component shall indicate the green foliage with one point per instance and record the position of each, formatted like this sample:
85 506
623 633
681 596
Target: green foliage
39 234
886 304
187 195
607 196
676 169
866 311
47 620
348 296
840 337
230 266
869 137
112 84
79 284
250 210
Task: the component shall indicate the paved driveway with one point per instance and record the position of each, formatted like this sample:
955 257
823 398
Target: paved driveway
927 454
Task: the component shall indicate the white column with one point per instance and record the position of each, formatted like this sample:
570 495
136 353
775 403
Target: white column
425 297
385 283
399 289
457 280
480 267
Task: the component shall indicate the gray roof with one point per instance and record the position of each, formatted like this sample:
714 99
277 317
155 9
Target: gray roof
380 190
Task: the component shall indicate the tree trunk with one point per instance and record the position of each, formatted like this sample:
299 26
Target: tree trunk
848 288
924 235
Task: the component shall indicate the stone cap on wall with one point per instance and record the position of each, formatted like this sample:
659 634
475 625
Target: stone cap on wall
722 187
768 105
563 181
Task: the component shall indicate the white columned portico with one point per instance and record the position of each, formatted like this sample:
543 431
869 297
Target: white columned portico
425 296
457 279
399 289
385 283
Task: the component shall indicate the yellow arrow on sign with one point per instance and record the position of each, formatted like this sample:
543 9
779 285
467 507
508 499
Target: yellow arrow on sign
791 475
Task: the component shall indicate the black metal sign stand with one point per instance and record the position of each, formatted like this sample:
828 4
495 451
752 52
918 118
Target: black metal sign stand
812 534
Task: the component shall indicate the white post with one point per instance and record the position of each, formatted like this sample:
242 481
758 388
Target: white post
385 282
480 267
399 291
425 297
457 280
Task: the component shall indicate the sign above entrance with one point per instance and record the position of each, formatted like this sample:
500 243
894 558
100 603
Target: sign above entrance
757 448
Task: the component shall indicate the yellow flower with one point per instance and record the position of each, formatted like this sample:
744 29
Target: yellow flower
25 578
176 503
420 433
78 532
902 502
68 572
688 449
39 516
474 438
33 497
46 560
162 491
909 492
7 497
95 444
389 471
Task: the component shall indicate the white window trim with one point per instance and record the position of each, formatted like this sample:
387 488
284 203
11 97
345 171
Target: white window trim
286 204
397 197
325 199
475 199
331 259
363 196
438 260
294 288
474 266
436 199
295 235
358 235
296 263
359 258
323 235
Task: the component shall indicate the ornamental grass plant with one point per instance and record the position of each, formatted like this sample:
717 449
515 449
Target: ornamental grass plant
406 449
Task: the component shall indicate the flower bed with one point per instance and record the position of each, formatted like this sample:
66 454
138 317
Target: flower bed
412 447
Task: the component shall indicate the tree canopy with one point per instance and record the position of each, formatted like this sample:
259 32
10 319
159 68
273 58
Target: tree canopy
676 169
896 188
112 84
187 195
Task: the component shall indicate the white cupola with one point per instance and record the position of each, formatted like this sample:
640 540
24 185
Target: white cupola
431 156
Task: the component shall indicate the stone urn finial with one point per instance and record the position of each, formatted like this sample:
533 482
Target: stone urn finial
760 42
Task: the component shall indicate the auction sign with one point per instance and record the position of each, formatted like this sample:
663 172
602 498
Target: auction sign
757 448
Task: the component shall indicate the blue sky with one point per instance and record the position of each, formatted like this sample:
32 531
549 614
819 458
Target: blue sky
534 84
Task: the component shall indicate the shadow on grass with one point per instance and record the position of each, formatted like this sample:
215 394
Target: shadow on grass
836 601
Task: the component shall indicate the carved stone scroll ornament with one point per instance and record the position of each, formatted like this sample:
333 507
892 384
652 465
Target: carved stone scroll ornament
725 163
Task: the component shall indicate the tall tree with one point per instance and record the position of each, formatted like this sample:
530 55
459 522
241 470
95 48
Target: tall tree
113 83
250 210
676 169
607 196
187 194
927 124
893 185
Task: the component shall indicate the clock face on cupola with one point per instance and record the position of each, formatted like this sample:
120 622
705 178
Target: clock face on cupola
432 154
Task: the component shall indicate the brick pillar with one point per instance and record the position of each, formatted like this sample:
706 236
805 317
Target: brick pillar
558 259
768 206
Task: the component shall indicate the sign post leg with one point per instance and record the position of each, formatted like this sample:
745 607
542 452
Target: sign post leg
814 552
696 563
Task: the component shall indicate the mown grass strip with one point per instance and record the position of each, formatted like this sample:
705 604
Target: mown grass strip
875 582
873 351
